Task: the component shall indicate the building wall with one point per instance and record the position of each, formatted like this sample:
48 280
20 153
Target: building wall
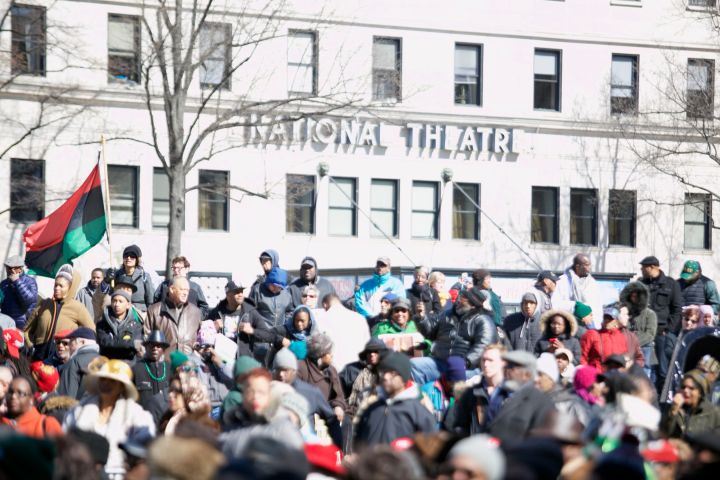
581 146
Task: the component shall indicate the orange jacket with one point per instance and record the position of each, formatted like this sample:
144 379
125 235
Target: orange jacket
34 424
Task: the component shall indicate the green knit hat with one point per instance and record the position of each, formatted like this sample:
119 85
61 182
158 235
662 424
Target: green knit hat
582 310
244 364
177 358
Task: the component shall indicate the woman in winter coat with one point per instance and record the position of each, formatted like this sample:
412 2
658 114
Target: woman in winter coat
317 370
111 410
558 329
187 398
295 333
61 312
691 412
132 272
643 321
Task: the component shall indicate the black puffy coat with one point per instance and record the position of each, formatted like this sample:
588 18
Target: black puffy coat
426 295
465 336
118 339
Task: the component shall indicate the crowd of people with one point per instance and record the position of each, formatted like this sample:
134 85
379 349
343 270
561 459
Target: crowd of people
284 379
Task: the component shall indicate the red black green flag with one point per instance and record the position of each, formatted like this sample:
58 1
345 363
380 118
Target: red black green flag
71 230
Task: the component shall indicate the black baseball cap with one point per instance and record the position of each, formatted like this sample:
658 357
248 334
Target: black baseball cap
547 275
231 286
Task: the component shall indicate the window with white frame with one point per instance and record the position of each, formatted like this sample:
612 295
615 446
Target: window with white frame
468 74
424 218
28 35
624 84
215 50
387 69
383 208
302 52
123 183
698 221
700 96
547 80
123 48
213 200
466 214
342 207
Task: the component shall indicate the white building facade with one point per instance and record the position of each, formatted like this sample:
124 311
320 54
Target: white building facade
527 107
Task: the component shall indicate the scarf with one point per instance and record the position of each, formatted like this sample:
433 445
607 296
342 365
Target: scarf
579 286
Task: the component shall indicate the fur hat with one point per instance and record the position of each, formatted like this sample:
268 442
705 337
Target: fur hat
570 320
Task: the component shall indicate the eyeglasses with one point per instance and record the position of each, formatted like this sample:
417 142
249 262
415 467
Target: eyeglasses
18 393
687 320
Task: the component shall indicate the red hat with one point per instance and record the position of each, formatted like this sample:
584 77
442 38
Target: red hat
14 341
63 334
661 451
326 457
46 376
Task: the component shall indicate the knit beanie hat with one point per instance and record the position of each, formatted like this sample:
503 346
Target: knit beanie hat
455 369
396 362
177 358
547 364
244 364
585 377
484 450
475 296
581 310
297 404
285 359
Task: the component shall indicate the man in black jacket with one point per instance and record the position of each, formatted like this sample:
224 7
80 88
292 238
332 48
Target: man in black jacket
83 350
666 301
309 276
152 375
463 331
240 321
399 413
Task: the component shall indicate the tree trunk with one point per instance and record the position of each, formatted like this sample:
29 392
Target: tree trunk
177 213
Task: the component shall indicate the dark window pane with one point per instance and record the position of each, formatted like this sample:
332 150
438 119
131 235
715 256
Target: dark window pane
622 218
544 216
28 40
123 182
300 204
27 190
466 215
583 217
700 88
213 199
547 80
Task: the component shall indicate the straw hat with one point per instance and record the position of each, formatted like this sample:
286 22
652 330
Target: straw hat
114 370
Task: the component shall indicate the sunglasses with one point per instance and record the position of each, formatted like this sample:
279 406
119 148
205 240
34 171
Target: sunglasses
401 309
64 343
189 368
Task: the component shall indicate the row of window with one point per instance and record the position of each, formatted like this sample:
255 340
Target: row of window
27 202
215 39
425 210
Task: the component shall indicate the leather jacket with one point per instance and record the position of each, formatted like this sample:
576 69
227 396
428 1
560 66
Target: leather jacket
180 326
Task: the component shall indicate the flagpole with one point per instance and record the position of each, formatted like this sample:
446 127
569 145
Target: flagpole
106 198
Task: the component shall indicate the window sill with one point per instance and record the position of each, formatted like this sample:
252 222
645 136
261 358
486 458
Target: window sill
622 248
545 245
467 105
697 252
386 102
626 3
546 110
701 8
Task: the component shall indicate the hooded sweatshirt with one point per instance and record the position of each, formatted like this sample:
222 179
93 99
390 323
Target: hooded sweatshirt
368 296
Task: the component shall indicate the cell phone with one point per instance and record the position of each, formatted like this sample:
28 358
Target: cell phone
553 340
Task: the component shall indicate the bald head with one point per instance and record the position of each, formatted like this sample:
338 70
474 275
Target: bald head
179 290
581 265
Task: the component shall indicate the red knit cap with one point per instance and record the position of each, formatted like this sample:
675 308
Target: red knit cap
46 376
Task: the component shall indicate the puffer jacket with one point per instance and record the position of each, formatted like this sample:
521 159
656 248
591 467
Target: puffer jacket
597 345
142 298
274 308
643 321
465 336
425 294
180 327
568 339
117 339
19 298
702 291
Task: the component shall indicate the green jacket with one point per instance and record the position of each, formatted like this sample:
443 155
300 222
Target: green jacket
389 327
706 417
